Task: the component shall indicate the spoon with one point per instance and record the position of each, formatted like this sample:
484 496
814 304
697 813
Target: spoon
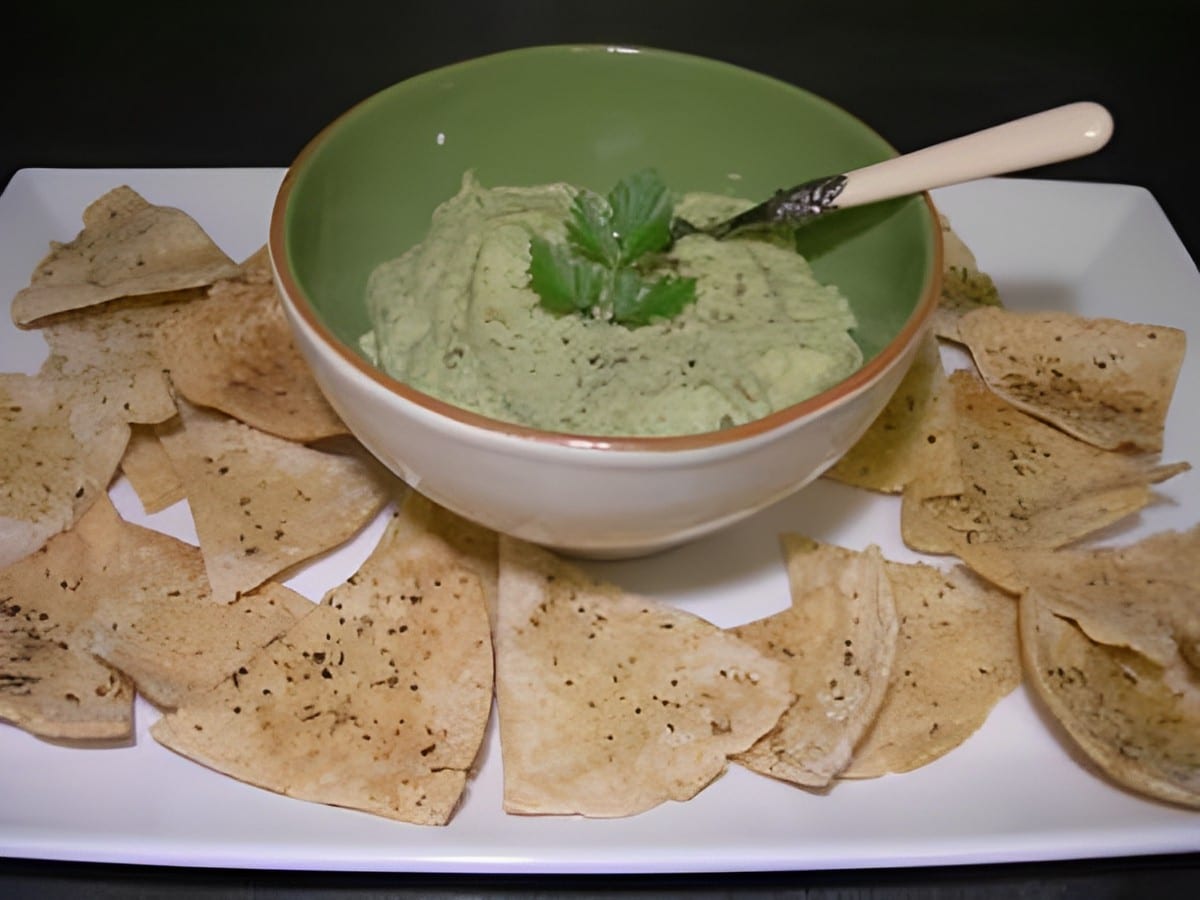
1064 132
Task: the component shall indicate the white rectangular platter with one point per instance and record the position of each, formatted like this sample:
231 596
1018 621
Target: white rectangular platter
1013 792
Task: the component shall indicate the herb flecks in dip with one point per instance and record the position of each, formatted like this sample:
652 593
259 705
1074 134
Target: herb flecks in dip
455 317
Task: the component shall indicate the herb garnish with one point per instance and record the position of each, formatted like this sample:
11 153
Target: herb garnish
597 271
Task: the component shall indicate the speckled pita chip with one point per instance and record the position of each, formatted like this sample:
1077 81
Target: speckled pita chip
59 449
234 352
262 504
964 287
149 470
957 655
913 436
1105 381
837 640
50 684
1025 483
1136 721
128 247
611 704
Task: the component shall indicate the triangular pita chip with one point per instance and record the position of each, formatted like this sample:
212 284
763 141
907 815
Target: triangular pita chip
59 449
1105 381
262 504
234 352
611 704
913 436
50 684
964 286
837 640
1137 721
128 247
149 470
1026 484
957 655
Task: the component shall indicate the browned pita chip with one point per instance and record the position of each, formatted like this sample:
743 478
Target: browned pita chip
957 655
128 247
1137 721
262 504
50 685
157 622
1026 484
611 704
1105 381
59 448
837 639
149 470
235 353
964 287
362 712
913 436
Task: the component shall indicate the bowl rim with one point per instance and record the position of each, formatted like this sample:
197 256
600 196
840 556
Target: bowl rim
297 298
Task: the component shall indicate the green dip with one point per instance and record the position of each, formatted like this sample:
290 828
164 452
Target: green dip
455 317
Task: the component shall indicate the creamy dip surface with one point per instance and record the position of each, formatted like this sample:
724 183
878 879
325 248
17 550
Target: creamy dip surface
455 317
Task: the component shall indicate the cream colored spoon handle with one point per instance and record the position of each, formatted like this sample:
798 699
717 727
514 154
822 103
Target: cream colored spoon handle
1065 132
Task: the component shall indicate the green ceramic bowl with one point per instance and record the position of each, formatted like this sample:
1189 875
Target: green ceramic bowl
363 191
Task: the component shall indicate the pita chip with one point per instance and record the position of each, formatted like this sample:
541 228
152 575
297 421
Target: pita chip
611 704
59 449
1136 721
262 504
1105 381
957 656
149 470
128 247
50 684
235 353
837 639
964 286
913 436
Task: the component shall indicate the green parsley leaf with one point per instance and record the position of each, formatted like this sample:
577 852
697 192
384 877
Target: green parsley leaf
641 214
565 282
661 299
590 229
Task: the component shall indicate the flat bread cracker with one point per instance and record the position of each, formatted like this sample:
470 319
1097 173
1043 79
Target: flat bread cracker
964 286
1026 484
1136 721
611 704
59 449
262 504
235 352
149 470
838 640
360 712
128 247
957 656
50 684
913 436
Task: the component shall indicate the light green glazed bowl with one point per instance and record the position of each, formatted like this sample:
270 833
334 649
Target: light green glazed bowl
363 191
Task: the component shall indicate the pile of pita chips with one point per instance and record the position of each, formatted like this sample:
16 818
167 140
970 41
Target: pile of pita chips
376 700
837 640
1105 381
611 704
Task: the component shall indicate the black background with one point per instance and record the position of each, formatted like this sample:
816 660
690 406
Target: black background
247 84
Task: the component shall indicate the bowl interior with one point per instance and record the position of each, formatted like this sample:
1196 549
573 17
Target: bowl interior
363 191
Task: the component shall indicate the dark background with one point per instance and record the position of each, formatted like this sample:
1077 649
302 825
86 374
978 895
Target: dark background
248 84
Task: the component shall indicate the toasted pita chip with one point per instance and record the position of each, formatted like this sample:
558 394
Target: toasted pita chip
1105 381
128 247
50 685
1026 484
262 504
59 449
158 623
1144 596
913 436
837 639
361 712
1135 720
235 353
149 470
964 287
611 704
957 656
